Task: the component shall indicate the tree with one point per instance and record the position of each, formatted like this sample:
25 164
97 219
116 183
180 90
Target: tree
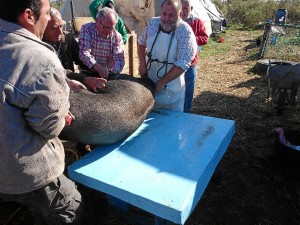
57 4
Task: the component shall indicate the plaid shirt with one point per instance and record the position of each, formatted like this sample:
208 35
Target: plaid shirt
94 49
184 36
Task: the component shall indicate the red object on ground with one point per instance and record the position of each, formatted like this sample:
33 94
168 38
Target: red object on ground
221 40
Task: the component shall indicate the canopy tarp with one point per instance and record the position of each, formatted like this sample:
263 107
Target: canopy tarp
137 13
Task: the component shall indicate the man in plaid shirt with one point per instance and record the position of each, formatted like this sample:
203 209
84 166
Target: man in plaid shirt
101 46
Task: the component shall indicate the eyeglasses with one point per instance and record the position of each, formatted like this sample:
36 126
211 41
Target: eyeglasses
106 27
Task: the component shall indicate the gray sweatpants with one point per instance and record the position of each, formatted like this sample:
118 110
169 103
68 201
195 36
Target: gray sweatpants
58 203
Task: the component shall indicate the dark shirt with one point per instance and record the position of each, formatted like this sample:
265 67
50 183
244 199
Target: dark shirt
68 51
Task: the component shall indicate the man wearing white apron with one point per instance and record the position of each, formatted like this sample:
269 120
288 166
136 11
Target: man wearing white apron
166 49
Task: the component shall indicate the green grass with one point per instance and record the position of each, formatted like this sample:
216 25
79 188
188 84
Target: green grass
214 48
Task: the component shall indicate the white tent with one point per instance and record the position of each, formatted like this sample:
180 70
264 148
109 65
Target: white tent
137 13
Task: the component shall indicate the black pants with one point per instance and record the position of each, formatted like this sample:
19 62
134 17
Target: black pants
58 203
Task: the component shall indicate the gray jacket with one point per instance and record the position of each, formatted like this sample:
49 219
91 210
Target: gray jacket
33 105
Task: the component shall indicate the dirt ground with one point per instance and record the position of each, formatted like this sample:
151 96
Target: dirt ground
250 188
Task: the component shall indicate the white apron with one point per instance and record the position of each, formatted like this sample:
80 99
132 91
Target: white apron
172 97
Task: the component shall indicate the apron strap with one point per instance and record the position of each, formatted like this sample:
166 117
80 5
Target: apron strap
165 63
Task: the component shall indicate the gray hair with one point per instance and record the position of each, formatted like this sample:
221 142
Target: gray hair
102 13
188 1
175 3
55 13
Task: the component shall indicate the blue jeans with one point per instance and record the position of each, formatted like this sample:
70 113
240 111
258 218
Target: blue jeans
190 80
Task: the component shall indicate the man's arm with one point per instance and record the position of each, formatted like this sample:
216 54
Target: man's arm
200 32
85 40
50 104
141 47
83 79
187 47
74 48
141 50
101 70
173 73
118 53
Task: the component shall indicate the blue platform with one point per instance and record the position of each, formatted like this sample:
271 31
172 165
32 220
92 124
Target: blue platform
162 168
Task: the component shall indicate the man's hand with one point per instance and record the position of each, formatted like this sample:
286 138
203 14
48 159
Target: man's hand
95 82
101 70
143 69
172 74
74 84
141 50
160 85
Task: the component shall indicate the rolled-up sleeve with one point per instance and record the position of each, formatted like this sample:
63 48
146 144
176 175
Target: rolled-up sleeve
187 46
118 54
150 30
85 40
142 39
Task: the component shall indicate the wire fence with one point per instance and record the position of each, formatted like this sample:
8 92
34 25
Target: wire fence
280 42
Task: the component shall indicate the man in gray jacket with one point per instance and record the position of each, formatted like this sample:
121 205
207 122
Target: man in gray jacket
33 110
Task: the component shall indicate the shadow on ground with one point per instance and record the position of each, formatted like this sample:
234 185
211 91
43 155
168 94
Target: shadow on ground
251 188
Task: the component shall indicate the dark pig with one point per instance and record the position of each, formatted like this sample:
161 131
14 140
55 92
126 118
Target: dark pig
112 114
